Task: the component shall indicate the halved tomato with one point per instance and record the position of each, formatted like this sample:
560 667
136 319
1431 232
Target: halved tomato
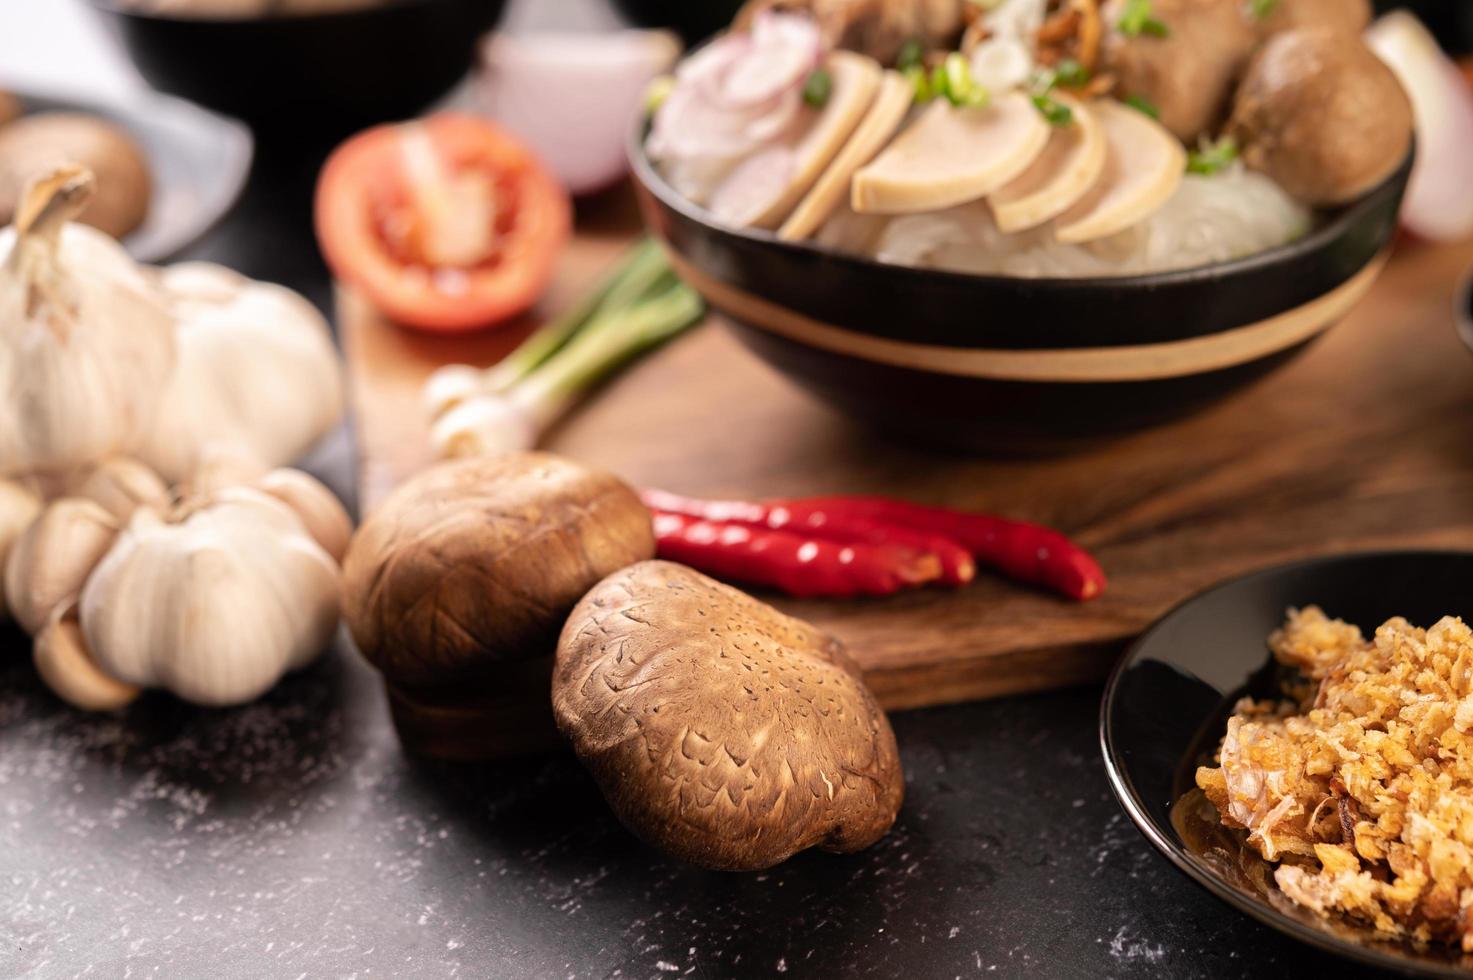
446 223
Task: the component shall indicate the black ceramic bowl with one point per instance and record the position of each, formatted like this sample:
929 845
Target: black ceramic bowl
992 362
693 20
335 72
1166 707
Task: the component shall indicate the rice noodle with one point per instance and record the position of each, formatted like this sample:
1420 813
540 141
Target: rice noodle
1210 219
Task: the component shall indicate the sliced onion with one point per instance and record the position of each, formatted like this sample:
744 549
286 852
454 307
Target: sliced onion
573 97
1438 206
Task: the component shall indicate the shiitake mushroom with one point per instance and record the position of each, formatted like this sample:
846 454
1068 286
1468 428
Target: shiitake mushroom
476 563
720 730
1352 16
1322 115
35 144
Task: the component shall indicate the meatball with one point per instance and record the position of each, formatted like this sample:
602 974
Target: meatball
1189 74
1322 115
1348 15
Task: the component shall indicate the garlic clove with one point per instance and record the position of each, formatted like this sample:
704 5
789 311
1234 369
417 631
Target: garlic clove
64 663
122 485
19 506
319 509
219 468
50 562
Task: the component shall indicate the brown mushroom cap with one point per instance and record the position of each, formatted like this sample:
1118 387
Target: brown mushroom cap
719 729
477 562
1189 74
1322 115
1347 15
33 144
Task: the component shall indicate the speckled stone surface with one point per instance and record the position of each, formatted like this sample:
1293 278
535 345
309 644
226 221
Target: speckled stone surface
292 838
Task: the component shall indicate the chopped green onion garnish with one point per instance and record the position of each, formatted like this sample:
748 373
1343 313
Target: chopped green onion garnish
1142 104
1136 20
1262 8
657 92
919 81
1071 74
911 55
818 88
953 79
1211 158
1056 112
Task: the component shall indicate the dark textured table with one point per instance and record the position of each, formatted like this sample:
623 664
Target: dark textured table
292 838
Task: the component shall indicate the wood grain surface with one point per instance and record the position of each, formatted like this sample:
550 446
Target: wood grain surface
1365 442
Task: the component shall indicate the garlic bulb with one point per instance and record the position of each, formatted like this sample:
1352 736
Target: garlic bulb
214 601
18 508
86 346
258 373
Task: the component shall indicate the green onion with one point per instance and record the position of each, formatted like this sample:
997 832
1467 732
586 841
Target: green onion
631 280
1142 104
1262 8
657 92
1053 110
818 88
1211 158
1071 74
641 306
1136 19
919 81
912 53
953 79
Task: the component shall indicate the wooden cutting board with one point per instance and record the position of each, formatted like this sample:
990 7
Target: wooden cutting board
1364 442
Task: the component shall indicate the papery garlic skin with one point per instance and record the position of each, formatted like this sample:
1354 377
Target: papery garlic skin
215 607
49 563
258 373
19 506
86 345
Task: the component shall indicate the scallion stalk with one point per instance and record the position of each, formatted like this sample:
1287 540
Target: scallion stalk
642 306
633 279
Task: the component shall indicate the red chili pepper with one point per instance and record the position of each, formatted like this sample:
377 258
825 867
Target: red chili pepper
957 565
798 565
1027 552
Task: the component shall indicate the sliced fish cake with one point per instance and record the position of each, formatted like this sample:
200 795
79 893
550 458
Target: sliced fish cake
952 155
892 102
1143 168
1067 169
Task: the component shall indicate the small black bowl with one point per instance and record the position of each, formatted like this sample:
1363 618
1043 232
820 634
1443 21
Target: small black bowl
693 20
332 72
1166 707
994 362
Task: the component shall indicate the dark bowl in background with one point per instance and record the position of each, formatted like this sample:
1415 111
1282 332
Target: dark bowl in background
331 73
693 20
997 363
